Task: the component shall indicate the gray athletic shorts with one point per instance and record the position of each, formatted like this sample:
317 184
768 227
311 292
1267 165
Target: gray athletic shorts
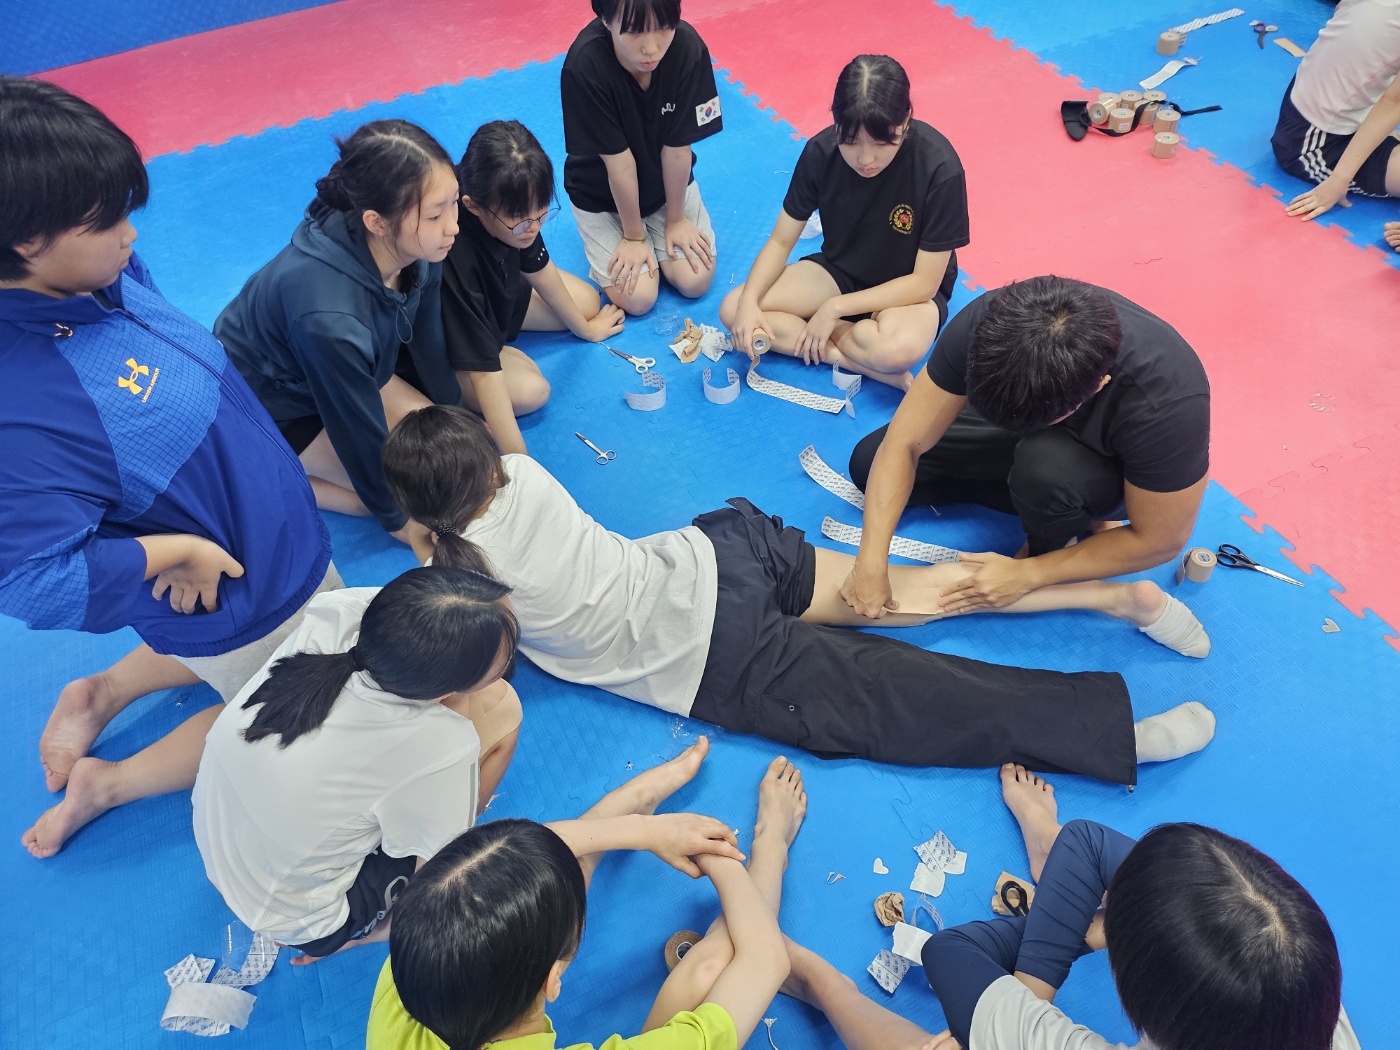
602 232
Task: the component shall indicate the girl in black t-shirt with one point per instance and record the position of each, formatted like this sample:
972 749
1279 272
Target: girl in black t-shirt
498 279
893 205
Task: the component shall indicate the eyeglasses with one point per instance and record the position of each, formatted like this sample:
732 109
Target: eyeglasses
523 226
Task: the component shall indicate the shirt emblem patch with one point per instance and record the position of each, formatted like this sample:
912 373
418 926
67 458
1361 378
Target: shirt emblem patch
902 219
707 111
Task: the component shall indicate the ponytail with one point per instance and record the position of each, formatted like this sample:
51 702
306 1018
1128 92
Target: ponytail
506 170
443 466
430 632
872 93
384 167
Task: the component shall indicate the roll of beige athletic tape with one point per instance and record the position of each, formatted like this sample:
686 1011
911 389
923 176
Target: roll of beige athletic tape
1170 42
1151 102
760 341
1166 120
1120 120
680 943
1099 111
1198 563
1130 99
1165 144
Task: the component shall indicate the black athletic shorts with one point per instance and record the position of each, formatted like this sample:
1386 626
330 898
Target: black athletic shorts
1308 152
380 880
300 432
847 285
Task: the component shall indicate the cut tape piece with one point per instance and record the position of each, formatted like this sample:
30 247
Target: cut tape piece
888 970
1209 20
206 1009
849 384
938 852
828 479
721 395
957 865
909 942
714 344
1168 71
651 399
1289 46
927 880
915 550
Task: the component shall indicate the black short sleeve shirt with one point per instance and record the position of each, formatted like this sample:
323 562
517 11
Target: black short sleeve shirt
484 294
1154 414
607 112
874 227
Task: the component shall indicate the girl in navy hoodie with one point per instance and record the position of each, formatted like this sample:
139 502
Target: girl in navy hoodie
142 484
319 331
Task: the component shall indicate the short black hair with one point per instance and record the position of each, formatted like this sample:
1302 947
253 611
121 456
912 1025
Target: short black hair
872 92
1040 351
639 16
506 170
63 165
480 926
1214 946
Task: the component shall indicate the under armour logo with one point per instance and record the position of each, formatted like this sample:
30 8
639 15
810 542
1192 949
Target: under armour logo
137 372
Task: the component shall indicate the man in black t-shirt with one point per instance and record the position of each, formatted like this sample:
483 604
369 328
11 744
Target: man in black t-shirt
638 90
1061 402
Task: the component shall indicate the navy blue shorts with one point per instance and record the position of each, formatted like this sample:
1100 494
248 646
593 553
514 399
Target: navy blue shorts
377 885
1308 152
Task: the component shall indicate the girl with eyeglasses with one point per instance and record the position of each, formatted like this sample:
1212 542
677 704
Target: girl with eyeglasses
498 279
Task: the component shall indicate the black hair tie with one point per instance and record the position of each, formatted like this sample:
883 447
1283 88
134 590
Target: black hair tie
356 663
446 530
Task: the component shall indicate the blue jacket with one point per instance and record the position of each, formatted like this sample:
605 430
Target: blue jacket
315 332
121 417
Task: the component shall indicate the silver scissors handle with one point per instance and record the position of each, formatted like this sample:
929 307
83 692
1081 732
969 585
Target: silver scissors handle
603 456
641 364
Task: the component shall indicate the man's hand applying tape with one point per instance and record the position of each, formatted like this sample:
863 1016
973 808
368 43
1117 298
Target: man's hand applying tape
996 582
867 590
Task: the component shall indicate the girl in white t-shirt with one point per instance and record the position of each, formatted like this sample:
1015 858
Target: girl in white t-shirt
373 737
727 620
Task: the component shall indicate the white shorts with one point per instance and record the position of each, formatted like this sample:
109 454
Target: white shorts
602 232
229 672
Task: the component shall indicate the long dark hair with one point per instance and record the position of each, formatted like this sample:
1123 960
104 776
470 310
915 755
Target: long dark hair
478 929
384 167
872 92
428 633
63 165
442 465
1213 946
506 170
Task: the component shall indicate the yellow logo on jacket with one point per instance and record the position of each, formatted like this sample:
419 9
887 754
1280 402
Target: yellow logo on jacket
138 373
902 218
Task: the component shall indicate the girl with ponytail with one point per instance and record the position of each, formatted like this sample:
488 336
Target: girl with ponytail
498 279
317 332
376 735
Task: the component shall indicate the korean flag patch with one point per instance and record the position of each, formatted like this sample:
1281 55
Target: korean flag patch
706 112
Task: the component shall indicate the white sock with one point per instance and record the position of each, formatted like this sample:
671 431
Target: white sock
1177 628
1183 730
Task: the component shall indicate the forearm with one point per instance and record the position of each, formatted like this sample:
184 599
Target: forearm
675 177
598 835
886 495
1116 552
497 409
622 181
1379 123
760 964
550 287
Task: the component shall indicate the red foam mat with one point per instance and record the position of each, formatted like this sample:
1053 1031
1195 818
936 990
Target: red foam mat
1296 326
204 89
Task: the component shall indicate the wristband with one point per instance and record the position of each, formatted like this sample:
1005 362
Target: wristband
634 240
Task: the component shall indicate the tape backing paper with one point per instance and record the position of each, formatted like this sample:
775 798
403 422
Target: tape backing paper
721 395
652 398
1209 20
888 970
828 479
1168 71
914 550
846 383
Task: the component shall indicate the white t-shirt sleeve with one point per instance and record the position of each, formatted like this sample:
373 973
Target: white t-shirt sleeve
1349 67
1009 1016
433 806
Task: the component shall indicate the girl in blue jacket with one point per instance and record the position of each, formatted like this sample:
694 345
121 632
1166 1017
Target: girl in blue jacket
142 484
317 332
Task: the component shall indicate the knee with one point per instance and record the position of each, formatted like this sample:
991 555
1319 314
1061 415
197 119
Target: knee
530 394
1042 473
636 302
690 284
705 961
863 456
730 306
891 353
586 298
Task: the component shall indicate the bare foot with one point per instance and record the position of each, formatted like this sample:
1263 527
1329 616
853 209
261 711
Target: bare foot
782 803
1032 802
648 790
1140 603
807 968
1392 235
89 796
81 713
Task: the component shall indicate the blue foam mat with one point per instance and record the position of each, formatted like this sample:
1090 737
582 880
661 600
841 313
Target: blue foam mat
1116 50
1300 766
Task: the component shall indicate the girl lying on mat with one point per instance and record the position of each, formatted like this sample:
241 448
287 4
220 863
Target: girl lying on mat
730 620
1213 946
498 279
482 937
375 736
893 204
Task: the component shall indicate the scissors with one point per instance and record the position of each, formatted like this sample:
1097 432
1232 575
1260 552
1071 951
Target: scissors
641 364
1235 558
1262 30
603 457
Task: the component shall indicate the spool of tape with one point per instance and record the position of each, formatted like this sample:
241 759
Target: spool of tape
1196 565
1151 103
1120 120
1166 120
1098 114
1165 144
680 943
1130 99
1169 43
760 341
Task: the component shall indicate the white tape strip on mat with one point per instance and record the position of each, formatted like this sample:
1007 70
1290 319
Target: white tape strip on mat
1209 20
915 550
888 970
211 1009
721 395
844 381
650 400
1168 71
828 479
